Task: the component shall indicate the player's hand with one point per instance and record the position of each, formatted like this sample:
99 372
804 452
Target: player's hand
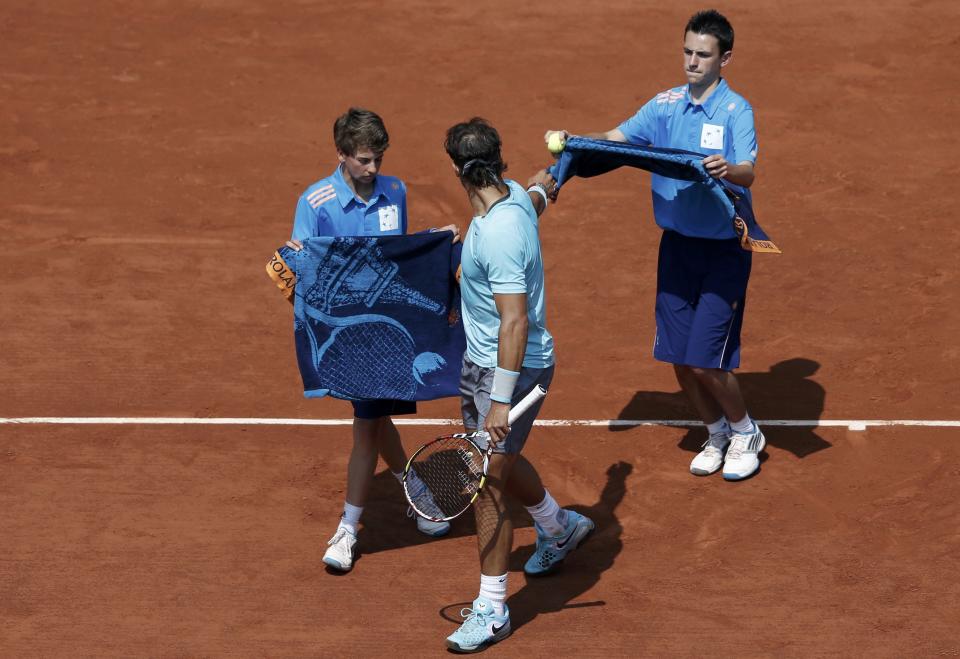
295 245
716 165
450 227
544 178
496 423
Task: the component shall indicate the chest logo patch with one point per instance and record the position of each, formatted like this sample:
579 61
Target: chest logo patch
389 218
711 137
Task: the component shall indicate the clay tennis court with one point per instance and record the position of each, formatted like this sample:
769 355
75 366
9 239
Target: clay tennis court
151 157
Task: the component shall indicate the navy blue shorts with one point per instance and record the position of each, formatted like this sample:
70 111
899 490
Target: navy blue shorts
701 293
375 409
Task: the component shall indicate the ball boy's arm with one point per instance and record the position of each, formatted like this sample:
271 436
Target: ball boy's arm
612 135
741 174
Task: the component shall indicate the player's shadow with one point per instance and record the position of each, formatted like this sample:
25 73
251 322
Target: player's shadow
786 391
583 568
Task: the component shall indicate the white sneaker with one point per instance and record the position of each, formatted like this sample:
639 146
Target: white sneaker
429 527
339 555
743 456
710 459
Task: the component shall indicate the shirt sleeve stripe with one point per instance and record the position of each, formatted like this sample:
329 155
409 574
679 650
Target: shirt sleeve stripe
320 192
316 203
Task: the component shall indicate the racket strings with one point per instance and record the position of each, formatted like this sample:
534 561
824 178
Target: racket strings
444 477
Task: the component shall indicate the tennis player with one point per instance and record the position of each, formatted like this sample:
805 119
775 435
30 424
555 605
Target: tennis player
358 201
703 272
509 352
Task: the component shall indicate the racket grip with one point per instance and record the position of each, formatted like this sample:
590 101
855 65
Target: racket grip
526 403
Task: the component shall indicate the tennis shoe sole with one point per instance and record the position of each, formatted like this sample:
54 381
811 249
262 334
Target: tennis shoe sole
453 646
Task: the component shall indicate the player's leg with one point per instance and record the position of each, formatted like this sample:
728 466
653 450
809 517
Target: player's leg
488 619
559 530
713 351
494 526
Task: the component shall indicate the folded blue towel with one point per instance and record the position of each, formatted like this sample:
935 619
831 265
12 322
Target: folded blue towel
378 317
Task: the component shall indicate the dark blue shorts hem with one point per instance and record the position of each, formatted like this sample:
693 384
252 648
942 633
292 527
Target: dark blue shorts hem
376 409
680 361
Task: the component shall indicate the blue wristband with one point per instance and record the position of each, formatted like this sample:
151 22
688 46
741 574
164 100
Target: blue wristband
504 382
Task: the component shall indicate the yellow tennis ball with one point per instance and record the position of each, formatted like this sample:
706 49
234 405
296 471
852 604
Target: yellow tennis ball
555 143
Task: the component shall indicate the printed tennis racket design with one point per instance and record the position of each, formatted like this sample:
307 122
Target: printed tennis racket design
445 476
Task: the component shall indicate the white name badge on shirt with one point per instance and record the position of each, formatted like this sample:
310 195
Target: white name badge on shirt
389 218
711 137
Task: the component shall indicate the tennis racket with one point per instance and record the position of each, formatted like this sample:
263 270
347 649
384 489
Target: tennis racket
445 476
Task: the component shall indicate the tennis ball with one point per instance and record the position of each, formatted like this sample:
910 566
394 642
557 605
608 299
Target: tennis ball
555 143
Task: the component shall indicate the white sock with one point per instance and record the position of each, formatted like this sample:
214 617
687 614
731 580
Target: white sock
720 425
495 590
549 515
351 517
744 426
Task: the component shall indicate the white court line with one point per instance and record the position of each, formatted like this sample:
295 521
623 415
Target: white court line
851 424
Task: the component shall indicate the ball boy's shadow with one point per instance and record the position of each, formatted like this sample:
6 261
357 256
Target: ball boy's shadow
785 392
386 524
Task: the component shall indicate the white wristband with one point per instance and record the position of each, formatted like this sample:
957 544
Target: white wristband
504 382
540 190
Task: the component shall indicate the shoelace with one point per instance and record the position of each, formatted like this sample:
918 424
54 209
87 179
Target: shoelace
337 536
469 615
737 446
711 448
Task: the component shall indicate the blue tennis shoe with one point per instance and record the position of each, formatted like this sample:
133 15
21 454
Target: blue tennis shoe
481 627
551 550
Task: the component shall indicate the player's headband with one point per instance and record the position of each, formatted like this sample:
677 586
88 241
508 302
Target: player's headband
475 162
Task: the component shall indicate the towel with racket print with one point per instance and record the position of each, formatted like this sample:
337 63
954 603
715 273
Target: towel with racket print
377 317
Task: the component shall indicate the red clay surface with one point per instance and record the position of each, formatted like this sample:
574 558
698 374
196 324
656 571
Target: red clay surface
150 152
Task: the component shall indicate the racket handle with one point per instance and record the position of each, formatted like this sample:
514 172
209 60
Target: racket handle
526 403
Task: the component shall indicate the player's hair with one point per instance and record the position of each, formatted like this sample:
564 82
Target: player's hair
357 129
474 147
712 22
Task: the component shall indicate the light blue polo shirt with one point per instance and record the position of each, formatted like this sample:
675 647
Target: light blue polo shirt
330 208
501 254
724 125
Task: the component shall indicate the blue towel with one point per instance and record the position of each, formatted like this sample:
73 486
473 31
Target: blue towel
586 157
378 317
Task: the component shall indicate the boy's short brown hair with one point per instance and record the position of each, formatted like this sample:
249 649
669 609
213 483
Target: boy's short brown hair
358 128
